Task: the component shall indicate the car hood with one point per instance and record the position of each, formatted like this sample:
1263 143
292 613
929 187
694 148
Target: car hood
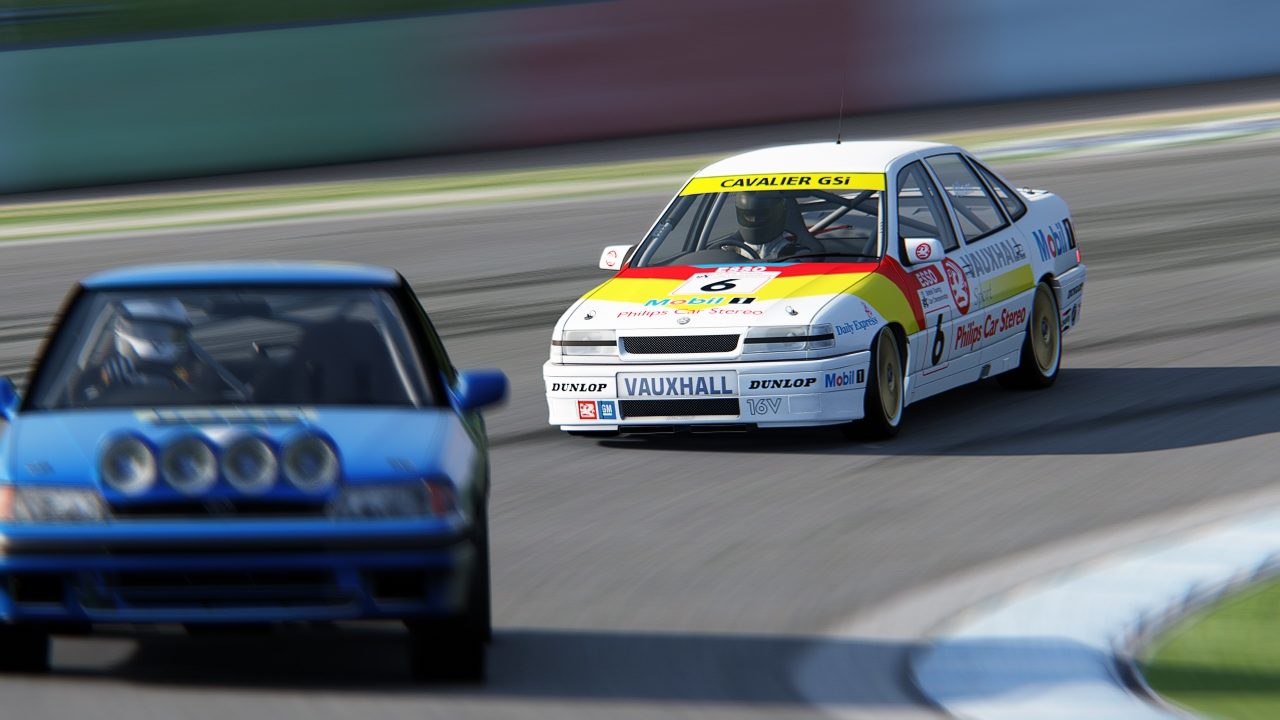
61 447
669 297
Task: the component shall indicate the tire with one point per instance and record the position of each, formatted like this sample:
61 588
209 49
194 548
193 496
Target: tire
23 649
883 401
452 649
1041 356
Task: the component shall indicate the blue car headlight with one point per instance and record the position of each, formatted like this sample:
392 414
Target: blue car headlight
51 504
423 498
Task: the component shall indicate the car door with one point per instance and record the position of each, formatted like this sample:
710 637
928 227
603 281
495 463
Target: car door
992 262
922 213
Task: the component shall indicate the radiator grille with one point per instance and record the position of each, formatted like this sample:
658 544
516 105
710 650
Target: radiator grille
679 344
682 407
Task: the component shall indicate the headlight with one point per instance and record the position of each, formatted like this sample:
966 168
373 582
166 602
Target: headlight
52 504
310 463
189 466
399 500
789 337
249 465
587 342
127 465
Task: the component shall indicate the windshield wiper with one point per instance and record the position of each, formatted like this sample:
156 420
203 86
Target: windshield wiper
825 255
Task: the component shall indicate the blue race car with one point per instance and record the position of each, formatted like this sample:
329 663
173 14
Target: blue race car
230 444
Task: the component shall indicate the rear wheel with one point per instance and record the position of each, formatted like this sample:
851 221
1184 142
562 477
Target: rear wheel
1042 349
884 400
23 649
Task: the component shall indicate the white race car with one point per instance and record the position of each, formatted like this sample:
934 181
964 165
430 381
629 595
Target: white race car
820 284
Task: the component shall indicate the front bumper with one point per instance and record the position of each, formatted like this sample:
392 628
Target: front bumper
792 393
204 570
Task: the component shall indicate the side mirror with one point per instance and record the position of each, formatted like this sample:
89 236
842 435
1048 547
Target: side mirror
614 256
475 389
9 399
922 250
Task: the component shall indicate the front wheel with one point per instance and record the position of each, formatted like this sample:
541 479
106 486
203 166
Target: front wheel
1042 349
884 400
23 649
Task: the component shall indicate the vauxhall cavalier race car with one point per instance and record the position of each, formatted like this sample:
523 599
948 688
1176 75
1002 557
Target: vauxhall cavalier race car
819 285
246 443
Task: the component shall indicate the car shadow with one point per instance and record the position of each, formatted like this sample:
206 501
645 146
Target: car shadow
585 665
1088 411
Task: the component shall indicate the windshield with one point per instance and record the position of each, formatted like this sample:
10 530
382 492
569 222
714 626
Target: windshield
216 346
767 225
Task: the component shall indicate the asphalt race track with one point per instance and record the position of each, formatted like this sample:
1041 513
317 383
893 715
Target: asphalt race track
686 577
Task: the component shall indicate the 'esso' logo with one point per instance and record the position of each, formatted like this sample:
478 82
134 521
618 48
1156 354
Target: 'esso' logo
923 251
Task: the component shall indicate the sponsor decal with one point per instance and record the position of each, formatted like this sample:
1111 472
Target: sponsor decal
923 251
1075 291
854 326
579 387
1052 241
784 181
679 385
611 258
992 256
608 410
764 406
587 410
969 334
664 302
928 277
732 283
958 283
845 378
781 383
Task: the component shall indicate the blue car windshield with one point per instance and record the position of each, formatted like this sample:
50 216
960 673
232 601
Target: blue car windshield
218 346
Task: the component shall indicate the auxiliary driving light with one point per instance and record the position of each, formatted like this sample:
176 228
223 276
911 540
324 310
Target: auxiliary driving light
189 466
310 463
249 465
127 465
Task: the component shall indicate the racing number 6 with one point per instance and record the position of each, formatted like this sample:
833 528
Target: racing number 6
720 285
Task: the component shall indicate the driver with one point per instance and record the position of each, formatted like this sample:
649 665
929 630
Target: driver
151 346
762 222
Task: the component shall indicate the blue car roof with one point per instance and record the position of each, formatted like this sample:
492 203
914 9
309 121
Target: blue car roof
243 273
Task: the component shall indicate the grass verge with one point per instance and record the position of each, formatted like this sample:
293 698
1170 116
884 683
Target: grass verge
1223 662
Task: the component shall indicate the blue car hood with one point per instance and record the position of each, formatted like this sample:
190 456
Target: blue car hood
61 447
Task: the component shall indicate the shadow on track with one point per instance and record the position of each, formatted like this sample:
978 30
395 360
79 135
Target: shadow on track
1088 412
592 665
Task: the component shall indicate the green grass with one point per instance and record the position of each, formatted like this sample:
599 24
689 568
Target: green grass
31 22
1223 662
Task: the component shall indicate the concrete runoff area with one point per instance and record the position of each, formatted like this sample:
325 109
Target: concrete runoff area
688 577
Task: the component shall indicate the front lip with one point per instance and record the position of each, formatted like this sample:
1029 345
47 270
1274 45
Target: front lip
175 536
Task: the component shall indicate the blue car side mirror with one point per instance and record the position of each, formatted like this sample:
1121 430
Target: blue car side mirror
8 399
475 389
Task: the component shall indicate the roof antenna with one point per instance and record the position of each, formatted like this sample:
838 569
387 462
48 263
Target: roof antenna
840 121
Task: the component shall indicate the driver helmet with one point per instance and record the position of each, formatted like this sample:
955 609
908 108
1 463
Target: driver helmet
152 331
761 216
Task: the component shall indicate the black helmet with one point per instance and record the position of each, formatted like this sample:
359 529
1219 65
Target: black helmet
761 216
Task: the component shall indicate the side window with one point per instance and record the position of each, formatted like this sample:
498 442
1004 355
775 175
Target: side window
978 213
1008 198
921 212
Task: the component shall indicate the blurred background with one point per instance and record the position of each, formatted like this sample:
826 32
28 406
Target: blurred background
106 91
488 149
